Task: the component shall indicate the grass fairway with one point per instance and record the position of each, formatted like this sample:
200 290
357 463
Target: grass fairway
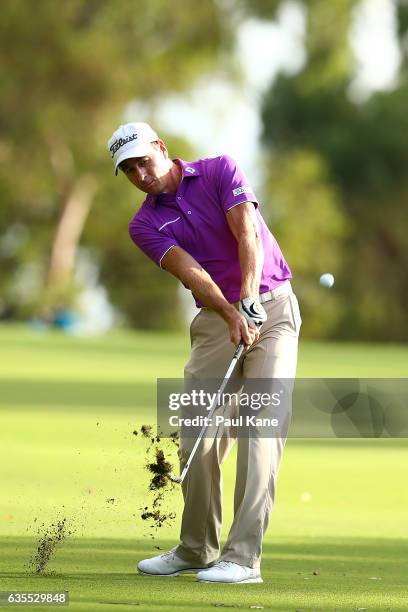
338 535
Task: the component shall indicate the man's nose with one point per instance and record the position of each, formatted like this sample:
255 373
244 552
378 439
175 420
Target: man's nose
140 173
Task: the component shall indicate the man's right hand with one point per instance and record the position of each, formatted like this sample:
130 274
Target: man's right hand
238 328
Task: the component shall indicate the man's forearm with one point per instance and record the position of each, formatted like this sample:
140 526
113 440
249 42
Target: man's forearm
208 293
184 267
251 262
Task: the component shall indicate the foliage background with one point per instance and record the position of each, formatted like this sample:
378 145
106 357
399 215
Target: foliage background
335 182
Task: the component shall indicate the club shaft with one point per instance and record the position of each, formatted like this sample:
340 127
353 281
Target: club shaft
237 355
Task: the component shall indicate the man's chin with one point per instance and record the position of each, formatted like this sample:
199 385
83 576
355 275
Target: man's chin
153 189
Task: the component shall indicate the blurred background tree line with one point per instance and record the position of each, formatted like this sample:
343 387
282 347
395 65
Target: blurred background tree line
336 184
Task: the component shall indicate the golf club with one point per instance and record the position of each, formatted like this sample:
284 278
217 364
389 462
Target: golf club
236 356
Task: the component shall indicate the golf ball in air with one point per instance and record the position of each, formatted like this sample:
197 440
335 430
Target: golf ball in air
327 280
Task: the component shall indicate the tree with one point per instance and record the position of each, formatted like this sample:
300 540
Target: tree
68 71
363 155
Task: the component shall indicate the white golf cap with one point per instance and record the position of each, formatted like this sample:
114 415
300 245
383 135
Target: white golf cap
130 140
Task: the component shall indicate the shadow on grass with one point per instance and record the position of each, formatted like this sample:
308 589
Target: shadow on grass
297 573
60 394
124 343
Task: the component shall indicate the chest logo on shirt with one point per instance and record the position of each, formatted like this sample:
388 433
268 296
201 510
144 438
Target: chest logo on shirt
168 223
190 169
239 190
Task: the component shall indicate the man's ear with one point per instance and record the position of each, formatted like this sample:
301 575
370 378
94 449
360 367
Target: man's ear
162 147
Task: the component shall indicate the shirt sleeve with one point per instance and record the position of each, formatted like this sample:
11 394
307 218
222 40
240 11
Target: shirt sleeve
233 186
150 240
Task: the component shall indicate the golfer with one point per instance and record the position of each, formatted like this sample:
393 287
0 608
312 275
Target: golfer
201 222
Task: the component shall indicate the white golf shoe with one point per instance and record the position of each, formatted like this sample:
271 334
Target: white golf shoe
230 572
168 564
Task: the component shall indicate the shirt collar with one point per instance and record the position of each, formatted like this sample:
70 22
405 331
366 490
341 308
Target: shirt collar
189 169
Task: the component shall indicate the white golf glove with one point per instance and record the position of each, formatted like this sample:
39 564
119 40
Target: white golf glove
253 311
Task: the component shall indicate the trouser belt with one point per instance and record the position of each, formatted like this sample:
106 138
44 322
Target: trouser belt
283 289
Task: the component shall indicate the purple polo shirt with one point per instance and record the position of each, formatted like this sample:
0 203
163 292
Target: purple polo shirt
194 218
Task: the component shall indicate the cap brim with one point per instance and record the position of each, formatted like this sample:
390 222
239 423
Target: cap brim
139 151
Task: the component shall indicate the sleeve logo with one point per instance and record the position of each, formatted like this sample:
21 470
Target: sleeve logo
239 190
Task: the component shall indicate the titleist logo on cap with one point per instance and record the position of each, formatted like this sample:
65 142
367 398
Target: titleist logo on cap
119 143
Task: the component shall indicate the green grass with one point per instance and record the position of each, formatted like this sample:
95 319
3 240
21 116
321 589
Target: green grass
68 407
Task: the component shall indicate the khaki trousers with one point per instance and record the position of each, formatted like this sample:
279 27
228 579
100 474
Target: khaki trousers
274 355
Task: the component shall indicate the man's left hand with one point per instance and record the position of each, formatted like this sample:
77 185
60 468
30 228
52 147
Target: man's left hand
253 311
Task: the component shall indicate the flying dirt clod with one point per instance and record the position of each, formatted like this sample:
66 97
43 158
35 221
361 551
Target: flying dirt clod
53 536
160 470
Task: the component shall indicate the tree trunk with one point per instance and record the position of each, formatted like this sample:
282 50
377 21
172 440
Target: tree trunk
75 211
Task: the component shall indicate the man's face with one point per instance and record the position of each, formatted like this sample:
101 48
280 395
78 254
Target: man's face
148 173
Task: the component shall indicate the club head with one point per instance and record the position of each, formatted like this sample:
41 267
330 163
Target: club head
174 478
